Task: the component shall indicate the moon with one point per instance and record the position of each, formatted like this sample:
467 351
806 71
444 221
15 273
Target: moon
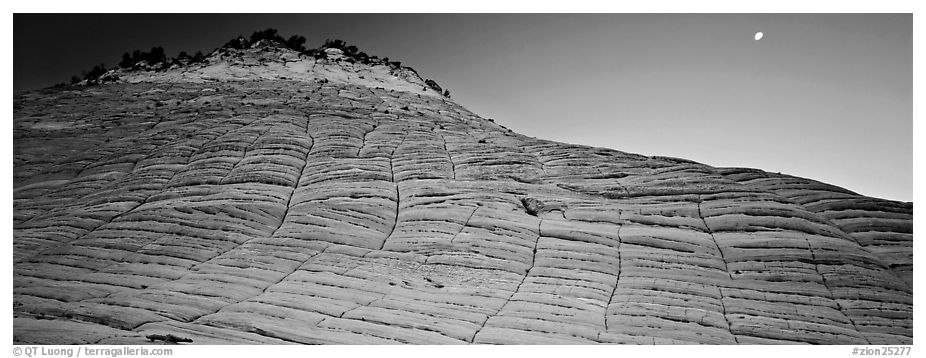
759 35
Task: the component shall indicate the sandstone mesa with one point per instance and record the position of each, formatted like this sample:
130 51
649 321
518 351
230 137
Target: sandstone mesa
268 197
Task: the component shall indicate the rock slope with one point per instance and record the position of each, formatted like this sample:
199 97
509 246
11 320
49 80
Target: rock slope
266 197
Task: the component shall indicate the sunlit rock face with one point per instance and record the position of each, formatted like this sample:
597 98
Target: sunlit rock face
266 197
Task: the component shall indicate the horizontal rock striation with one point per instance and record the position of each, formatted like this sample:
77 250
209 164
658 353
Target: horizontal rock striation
277 209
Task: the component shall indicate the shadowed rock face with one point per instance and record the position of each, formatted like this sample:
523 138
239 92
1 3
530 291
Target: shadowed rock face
227 204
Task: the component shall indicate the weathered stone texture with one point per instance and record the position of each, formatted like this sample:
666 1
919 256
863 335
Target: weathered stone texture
269 210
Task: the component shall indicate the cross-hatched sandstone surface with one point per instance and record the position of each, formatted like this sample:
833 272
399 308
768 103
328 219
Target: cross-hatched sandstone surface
266 197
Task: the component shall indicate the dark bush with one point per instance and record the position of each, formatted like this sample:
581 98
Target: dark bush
239 43
95 73
268 34
154 56
338 44
296 43
126 61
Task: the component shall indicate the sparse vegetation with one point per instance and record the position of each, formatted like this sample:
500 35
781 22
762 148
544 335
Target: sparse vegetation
156 58
239 43
296 43
93 76
198 57
156 55
268 34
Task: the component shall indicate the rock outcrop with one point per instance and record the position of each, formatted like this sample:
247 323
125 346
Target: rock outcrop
264 196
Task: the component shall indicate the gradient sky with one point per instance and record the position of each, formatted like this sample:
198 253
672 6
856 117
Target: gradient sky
827 97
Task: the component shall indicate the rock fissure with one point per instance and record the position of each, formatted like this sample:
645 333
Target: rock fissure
617 280
465 224
725 267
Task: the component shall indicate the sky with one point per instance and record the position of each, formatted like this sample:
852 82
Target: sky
822 96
